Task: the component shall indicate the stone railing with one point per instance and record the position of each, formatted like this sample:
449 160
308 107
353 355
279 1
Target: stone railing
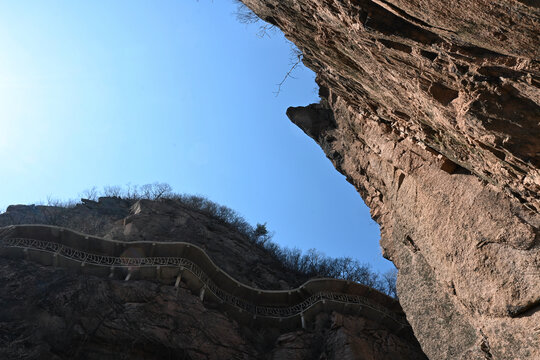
173 262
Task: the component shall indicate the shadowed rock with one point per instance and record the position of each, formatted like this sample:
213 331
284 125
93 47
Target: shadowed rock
75 307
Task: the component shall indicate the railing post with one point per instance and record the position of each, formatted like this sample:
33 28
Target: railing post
201 295
158 272
55 256
178 279
282 315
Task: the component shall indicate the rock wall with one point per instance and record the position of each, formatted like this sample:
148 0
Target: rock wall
74 312
431 109
172 262
166 220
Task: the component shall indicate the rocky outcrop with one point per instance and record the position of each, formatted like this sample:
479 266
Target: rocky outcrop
173 262
126 310
431 109
165 220
53 314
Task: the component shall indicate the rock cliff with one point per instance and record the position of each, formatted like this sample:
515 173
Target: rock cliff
52 312
431 109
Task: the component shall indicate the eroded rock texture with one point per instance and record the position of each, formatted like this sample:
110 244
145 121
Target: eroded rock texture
431 109
49 313
166 220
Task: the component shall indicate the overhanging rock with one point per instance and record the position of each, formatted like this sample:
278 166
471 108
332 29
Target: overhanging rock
435 110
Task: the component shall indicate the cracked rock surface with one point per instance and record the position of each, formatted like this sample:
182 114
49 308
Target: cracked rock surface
165 220
49 313
435 119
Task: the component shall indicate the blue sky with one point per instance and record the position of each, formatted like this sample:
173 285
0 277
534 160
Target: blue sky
103 93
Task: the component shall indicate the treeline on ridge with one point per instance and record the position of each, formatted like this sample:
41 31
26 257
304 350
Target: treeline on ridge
312 263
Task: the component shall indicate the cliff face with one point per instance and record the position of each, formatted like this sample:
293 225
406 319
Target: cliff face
66 312
165 220
431 109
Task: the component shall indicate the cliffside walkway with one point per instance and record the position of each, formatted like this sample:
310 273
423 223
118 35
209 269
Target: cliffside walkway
172 262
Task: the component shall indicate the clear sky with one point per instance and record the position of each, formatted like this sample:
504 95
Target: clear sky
96 93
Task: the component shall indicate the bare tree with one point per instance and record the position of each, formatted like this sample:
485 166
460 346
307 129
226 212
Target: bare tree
161 190
245 15
132 192
155 191
295 61
112 191
390 279
90 194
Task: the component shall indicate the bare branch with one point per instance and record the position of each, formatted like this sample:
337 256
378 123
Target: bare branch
288 74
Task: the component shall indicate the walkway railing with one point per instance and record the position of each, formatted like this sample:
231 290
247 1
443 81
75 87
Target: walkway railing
48 245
